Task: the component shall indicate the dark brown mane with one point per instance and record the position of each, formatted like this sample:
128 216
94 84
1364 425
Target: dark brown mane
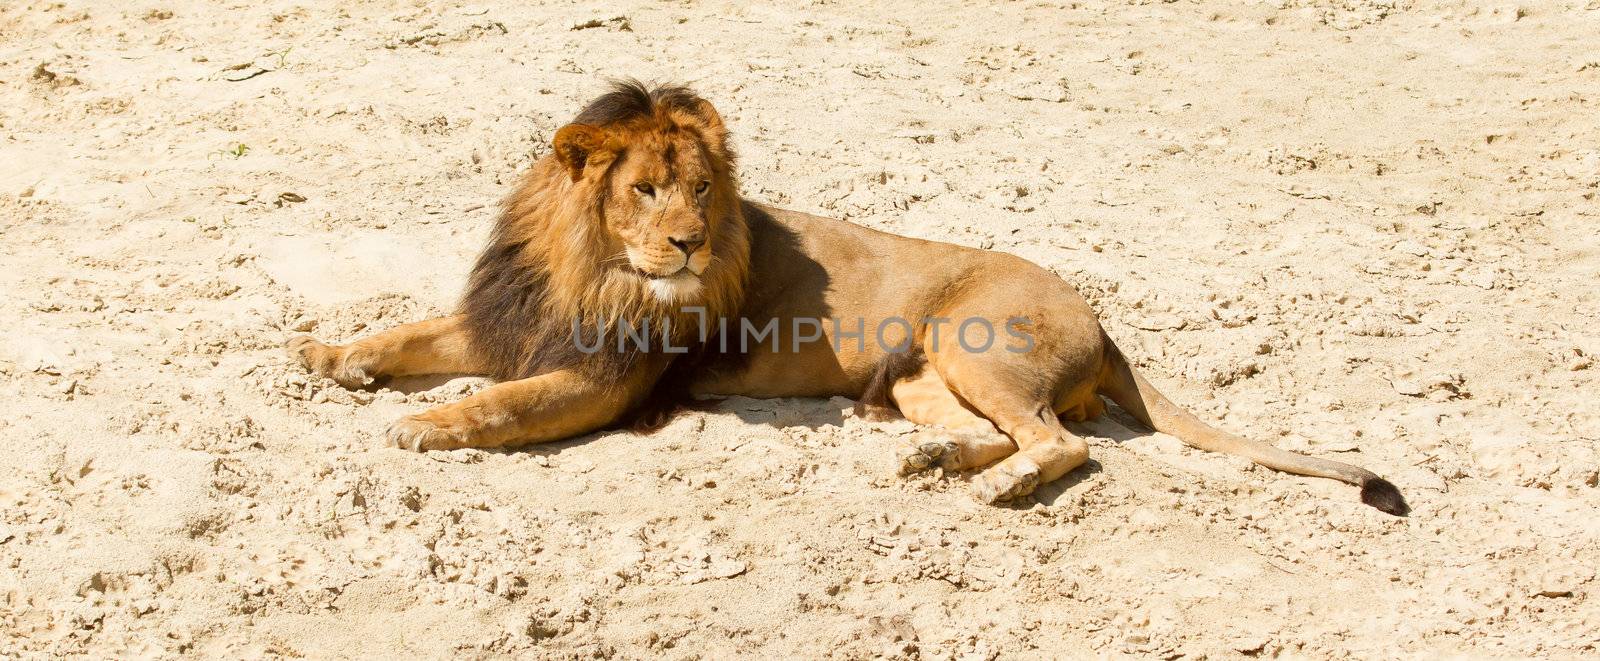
509 321
630 99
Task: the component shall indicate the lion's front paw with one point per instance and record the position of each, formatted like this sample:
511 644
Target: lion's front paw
1006 481
419 435
927 450
305 349
333 362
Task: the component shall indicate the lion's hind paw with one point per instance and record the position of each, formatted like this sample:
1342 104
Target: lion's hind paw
1006 481
927 450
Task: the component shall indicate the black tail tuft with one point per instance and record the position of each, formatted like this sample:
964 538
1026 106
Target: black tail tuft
1382 494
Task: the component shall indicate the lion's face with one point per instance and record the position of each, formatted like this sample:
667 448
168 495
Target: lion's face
656 206
656 183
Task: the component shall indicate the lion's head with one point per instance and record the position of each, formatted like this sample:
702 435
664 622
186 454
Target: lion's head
634 216
653 159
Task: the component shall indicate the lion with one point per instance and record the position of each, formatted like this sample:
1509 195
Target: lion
633 225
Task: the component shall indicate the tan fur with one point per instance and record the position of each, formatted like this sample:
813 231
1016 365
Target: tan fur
638 197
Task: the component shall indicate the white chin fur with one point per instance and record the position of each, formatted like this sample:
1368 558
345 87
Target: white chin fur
674 289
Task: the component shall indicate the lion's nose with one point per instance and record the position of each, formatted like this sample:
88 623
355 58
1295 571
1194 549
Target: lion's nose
688 243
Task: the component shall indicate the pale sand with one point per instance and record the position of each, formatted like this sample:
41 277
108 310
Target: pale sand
1356 228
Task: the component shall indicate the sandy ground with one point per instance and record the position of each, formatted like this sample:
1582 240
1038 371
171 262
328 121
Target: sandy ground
1364 229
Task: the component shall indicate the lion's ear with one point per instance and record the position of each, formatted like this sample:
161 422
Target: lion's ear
711 124
576 145
708 114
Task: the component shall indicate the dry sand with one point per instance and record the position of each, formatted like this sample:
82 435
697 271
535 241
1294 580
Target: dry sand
1364 229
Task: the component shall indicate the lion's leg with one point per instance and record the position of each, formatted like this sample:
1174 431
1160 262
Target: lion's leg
547 407
1046 450
956 437
435 346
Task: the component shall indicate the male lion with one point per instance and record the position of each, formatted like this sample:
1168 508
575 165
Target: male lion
634 224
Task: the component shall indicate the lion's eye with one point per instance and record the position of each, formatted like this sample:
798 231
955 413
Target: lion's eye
702 187
645 188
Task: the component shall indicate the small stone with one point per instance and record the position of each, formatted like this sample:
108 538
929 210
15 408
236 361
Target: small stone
1408 387
1412 248
1251 644
1562 581
727 567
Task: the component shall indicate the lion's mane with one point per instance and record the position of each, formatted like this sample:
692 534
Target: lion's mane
546 263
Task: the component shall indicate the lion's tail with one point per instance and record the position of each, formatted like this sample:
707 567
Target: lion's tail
1136 396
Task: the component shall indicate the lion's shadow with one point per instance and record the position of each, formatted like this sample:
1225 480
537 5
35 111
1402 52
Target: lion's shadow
810 413
411 385
1049 493
816 413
